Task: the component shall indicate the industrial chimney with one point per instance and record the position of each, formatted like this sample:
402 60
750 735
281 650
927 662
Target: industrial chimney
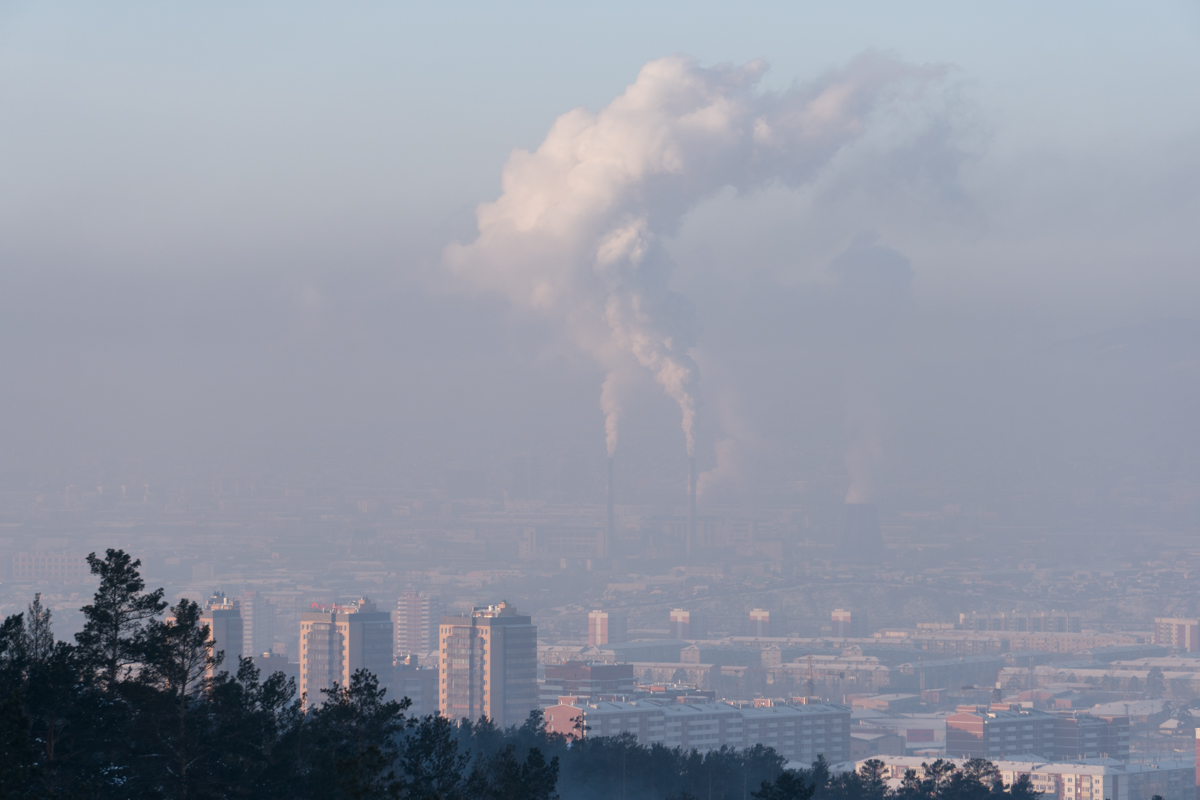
605 551
691 515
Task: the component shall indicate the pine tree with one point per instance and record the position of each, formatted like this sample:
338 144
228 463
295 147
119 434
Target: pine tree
178 657
353 740
39 638
113 635
432 764
788 786
18 761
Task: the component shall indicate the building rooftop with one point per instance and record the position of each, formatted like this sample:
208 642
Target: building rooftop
1032 764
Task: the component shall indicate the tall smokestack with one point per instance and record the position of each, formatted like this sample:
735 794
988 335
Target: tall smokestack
608 528
691 516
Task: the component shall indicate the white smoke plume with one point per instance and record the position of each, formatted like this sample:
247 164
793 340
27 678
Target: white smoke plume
610 404
577 232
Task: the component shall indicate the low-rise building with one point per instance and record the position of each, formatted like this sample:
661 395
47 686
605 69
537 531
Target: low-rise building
920 732
1071 642
50 568
1024 622
887 702
864 745
798 732
831 675
1091 779
587 680
702 676
1080 735
918 676
999 730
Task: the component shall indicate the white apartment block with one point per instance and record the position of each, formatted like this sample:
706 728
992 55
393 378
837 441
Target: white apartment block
798 733
1090 779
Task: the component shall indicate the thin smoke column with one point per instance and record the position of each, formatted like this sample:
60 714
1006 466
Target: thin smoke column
608 528
578 231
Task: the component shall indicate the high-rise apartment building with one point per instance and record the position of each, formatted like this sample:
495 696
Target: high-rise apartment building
417 615
606 627
224 620
1177 633
848 624
687 624
760 622
488 665
336 641
258 624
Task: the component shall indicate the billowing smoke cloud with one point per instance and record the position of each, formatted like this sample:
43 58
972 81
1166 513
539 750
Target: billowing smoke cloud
578 231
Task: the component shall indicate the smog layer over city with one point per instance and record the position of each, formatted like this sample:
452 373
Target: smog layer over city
784 400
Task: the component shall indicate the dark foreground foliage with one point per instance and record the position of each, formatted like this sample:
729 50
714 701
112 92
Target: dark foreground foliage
130 711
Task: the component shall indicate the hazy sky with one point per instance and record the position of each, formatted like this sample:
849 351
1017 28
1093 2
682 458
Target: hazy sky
222 239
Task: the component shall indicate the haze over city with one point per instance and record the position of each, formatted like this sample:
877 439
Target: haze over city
838 361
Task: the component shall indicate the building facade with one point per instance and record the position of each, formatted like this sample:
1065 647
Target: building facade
606 627
258 624
224 620
1079 735
418 685
1003 730
44 568
1030 622
998 731
848 624
687 624
918 676
760 622
417 618
586 680
336 641
799 733
1177 633
488 665
1094 779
